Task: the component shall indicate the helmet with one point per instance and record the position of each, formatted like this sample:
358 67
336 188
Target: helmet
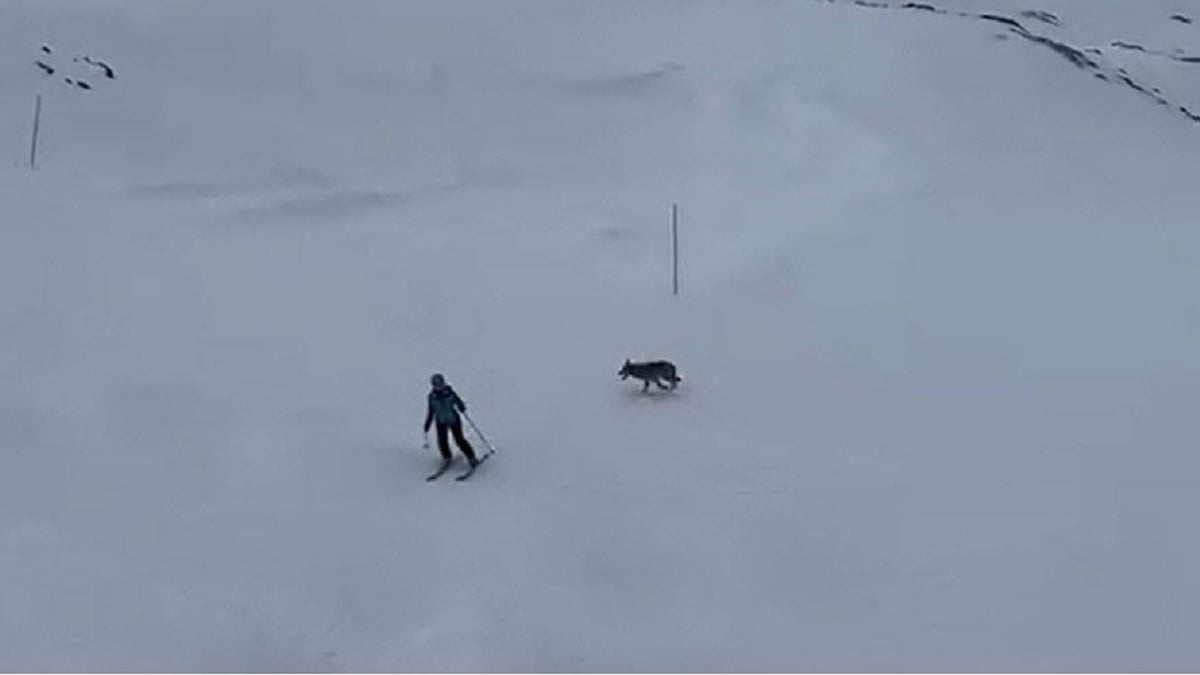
437 380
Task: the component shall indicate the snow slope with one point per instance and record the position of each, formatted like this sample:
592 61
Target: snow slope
937 334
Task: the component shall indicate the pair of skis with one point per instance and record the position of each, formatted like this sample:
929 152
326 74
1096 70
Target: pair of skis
462 476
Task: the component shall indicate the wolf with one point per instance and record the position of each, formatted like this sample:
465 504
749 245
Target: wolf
651 371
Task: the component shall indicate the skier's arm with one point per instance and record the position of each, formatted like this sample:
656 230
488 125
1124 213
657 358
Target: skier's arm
458 402
428 415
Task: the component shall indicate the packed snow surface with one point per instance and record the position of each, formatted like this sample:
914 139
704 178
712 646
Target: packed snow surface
937 328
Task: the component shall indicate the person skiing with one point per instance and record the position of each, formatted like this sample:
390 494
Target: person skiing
444 406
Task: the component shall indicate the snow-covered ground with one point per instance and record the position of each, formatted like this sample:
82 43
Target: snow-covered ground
937 330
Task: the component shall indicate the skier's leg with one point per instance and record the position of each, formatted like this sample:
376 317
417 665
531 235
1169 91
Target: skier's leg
461 440
443 442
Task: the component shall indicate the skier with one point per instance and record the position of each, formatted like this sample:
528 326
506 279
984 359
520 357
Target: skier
444 406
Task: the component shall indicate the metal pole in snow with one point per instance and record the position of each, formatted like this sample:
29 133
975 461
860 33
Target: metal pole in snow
33 143
674 249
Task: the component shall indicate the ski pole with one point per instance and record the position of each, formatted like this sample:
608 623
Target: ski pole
490 447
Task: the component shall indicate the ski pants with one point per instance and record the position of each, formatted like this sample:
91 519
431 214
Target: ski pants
444 443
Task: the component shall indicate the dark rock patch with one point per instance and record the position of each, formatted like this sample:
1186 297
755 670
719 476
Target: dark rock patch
1128 46
1045 17
1075 56
1007 21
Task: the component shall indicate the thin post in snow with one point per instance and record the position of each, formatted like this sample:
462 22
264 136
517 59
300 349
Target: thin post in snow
37 121
674 249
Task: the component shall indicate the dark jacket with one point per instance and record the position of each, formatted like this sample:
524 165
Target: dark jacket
444 405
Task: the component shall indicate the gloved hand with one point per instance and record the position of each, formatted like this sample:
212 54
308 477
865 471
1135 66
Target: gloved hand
425 443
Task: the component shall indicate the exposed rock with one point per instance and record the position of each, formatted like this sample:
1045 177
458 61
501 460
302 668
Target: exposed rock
1045 17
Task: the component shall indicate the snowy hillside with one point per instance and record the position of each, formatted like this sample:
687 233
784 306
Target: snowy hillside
937 333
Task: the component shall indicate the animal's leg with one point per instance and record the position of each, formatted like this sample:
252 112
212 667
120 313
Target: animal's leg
659 382
645 385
